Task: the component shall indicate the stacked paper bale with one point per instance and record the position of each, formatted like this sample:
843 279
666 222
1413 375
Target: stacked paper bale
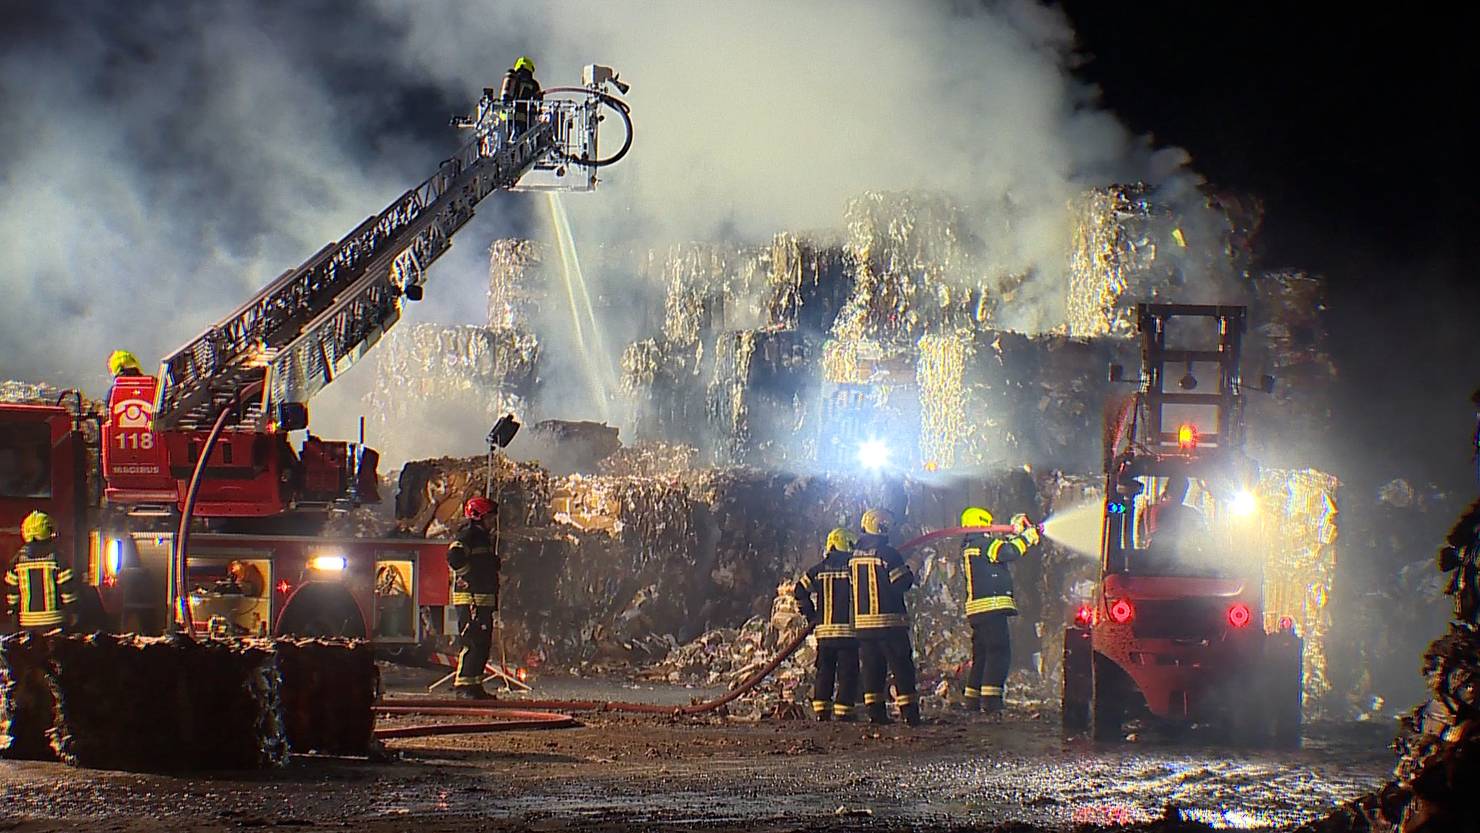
329 687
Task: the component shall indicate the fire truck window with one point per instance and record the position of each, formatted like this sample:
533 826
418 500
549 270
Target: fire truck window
25 461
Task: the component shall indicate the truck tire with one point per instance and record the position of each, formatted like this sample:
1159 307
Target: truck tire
322 610
1109 701
1286 689
1078 681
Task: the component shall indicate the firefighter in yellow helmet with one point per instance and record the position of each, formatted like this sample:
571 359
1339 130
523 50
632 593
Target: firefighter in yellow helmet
825 594
881 621
989 603
518 91
38 589
121 363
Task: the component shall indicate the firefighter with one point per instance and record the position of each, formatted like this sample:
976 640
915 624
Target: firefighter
475 566
990 603
880 620
40 590
518 89
831 611
122 363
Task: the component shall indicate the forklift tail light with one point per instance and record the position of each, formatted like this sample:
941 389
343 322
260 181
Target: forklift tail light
1084 616
1239 615
1122 611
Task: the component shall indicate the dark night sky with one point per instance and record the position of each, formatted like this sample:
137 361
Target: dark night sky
1349 126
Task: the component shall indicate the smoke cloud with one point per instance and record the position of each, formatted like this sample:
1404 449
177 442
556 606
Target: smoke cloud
167 159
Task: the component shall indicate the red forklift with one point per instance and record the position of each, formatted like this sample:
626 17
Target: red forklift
1176 635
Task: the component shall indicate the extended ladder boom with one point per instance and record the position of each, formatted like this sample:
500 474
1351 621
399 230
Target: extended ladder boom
312 323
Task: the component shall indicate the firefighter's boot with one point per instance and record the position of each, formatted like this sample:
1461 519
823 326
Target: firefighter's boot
471 692
843 713
911 713
878 714
822 709
992 704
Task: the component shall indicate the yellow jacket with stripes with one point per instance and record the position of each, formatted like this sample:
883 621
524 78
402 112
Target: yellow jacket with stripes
880 578
39 589
825 594
988 579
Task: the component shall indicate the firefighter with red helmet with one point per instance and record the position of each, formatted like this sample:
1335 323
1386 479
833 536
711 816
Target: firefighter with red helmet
37 588
990 603
475 566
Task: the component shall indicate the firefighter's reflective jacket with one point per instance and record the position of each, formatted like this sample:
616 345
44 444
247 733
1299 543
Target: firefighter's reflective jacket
880 578
474 566
988 579
825 593
39 588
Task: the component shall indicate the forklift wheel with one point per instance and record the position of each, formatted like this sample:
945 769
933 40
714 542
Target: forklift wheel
1109 702
1078 681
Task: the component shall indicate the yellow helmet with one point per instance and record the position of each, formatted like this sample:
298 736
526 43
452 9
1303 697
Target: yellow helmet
524 62
975 516
121 359
841 540
877 521
38 527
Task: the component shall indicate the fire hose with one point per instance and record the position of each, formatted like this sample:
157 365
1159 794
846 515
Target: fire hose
507 719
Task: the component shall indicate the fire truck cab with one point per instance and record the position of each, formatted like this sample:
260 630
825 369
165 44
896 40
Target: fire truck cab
1177 630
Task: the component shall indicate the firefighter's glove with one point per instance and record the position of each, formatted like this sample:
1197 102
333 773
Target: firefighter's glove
1449 558
1031 536
1020 522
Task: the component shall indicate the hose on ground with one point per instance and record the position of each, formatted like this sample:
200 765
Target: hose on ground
494 719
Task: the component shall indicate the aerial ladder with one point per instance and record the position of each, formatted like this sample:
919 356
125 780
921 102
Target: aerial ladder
312 323
221 407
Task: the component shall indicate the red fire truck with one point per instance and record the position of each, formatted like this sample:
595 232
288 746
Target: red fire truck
199 496
1176 631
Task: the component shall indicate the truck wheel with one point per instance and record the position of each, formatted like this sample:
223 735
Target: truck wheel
323 611
1078 681
1108 702
1286 691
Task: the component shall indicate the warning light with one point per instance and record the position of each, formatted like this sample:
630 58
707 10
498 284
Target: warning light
1085 615
1239 615
283 587
1187 437
1287 624
523 674
1122 611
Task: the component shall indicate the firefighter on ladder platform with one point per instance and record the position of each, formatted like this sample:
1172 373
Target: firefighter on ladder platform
40 590
519 91
825 594
475 567
990 603
881 621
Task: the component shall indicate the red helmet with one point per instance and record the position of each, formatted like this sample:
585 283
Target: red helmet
478 508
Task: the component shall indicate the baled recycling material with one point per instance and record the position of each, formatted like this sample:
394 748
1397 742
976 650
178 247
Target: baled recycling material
160 704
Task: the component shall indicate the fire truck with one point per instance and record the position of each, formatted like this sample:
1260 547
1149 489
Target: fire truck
198 497
1176 633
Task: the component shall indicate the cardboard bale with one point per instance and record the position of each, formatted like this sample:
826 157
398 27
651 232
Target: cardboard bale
165 704
27 699
329 687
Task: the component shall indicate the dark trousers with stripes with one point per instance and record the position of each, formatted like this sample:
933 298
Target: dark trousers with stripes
991 654
837 667
475 634
885 652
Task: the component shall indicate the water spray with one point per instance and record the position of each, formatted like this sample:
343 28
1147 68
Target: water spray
575 282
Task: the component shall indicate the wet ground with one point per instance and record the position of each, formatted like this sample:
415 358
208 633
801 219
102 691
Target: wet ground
638 773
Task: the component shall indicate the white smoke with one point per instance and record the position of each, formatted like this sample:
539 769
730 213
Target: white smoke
165 160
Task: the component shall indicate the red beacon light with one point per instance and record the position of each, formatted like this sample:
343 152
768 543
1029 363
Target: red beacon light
1084 615
1187 436
283 587
1287 624
1239 615
1122 611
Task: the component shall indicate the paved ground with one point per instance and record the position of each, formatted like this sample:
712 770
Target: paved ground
631 773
